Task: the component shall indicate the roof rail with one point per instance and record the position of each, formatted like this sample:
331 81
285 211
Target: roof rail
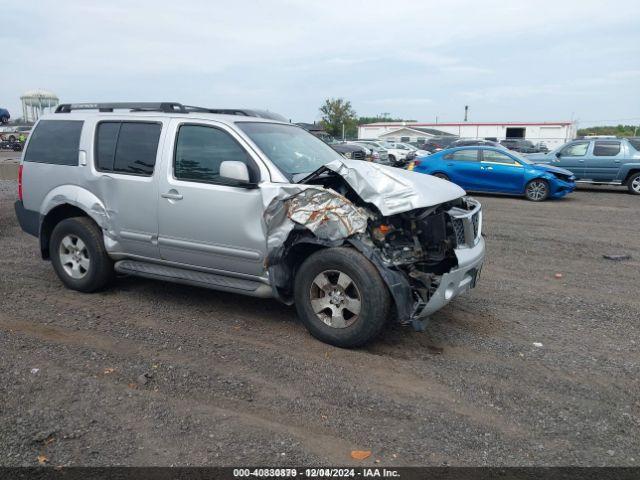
165 107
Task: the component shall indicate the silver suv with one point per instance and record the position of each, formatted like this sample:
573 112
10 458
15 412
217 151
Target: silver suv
247 205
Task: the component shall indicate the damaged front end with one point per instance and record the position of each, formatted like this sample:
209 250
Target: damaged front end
422 234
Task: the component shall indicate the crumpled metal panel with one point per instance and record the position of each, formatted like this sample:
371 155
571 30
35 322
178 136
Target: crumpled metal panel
329 215
393 190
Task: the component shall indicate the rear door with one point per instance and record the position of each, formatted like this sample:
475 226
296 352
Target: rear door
603 160
572 157
463 168
124 164
205 220
501 172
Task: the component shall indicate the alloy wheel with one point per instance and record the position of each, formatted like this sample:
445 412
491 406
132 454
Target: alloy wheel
635 185
537 190
335 299
74 256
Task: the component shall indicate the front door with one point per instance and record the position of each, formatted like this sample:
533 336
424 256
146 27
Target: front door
501 172
603 161
572 157
463 168
205 220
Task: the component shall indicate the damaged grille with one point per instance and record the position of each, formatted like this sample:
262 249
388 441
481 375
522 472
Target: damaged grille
467 223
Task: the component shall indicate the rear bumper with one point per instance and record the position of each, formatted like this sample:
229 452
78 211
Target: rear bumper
28 219
458 280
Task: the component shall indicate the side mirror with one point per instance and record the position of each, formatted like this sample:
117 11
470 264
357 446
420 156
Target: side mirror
558 154
234 171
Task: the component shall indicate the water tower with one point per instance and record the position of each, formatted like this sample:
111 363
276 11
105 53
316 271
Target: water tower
37 102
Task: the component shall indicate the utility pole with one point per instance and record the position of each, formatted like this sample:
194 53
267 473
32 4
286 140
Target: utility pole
343 131
466 112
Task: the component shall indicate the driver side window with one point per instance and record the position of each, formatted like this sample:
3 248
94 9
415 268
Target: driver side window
575 150
498 157
201 149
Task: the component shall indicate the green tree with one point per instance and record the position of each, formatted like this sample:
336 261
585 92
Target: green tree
337 112
618 130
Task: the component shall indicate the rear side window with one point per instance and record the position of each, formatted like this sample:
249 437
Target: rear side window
635 143
606 149
463 156
55 141
127 147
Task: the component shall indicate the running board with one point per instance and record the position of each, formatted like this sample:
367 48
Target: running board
193 277
591 182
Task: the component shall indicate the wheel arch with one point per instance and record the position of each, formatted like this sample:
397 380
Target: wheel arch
65 202
632 171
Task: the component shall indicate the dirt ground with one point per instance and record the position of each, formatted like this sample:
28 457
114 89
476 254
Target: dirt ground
527 369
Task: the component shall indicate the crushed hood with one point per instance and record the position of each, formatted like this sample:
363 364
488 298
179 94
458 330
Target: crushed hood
553 169
393 190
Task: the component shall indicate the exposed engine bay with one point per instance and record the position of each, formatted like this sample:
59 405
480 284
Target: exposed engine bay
411 249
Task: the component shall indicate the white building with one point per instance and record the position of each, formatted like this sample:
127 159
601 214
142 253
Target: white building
553 134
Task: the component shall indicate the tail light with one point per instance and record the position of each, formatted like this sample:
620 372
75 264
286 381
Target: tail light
413 164
20 183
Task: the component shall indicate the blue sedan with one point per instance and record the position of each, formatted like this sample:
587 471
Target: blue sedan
496 170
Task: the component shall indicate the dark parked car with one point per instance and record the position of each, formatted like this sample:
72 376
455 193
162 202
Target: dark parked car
519 145
350 151
436 144
4 115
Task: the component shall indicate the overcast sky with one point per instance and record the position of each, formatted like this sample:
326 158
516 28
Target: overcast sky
508 60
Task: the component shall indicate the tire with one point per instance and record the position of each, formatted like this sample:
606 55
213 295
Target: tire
4 119
537 190
85 266
442 176
12 138
392 159
633 184
346 276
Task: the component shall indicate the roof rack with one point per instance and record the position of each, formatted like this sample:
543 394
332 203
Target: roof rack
165 107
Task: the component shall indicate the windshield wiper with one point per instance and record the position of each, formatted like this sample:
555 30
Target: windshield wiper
314 174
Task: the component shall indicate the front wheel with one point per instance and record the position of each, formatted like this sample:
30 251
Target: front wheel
441 175
537 190
341 298
633 184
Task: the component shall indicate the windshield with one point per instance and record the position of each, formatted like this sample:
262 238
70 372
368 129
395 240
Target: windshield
521 158
292 149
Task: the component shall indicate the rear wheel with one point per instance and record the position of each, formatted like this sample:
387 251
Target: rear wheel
78 255
341 298
633 184
537 190
441 175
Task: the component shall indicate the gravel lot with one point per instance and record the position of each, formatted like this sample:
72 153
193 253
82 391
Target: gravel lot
148 373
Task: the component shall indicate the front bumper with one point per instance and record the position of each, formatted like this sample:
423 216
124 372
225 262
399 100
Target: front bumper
560 188
458 280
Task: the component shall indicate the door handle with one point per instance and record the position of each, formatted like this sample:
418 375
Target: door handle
172 195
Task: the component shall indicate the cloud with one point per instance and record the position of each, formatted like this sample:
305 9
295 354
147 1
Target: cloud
413 57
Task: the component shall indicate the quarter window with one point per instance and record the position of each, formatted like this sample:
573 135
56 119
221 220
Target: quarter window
201 149
463 156
606 149
56 142
127 147
498 157
576 150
